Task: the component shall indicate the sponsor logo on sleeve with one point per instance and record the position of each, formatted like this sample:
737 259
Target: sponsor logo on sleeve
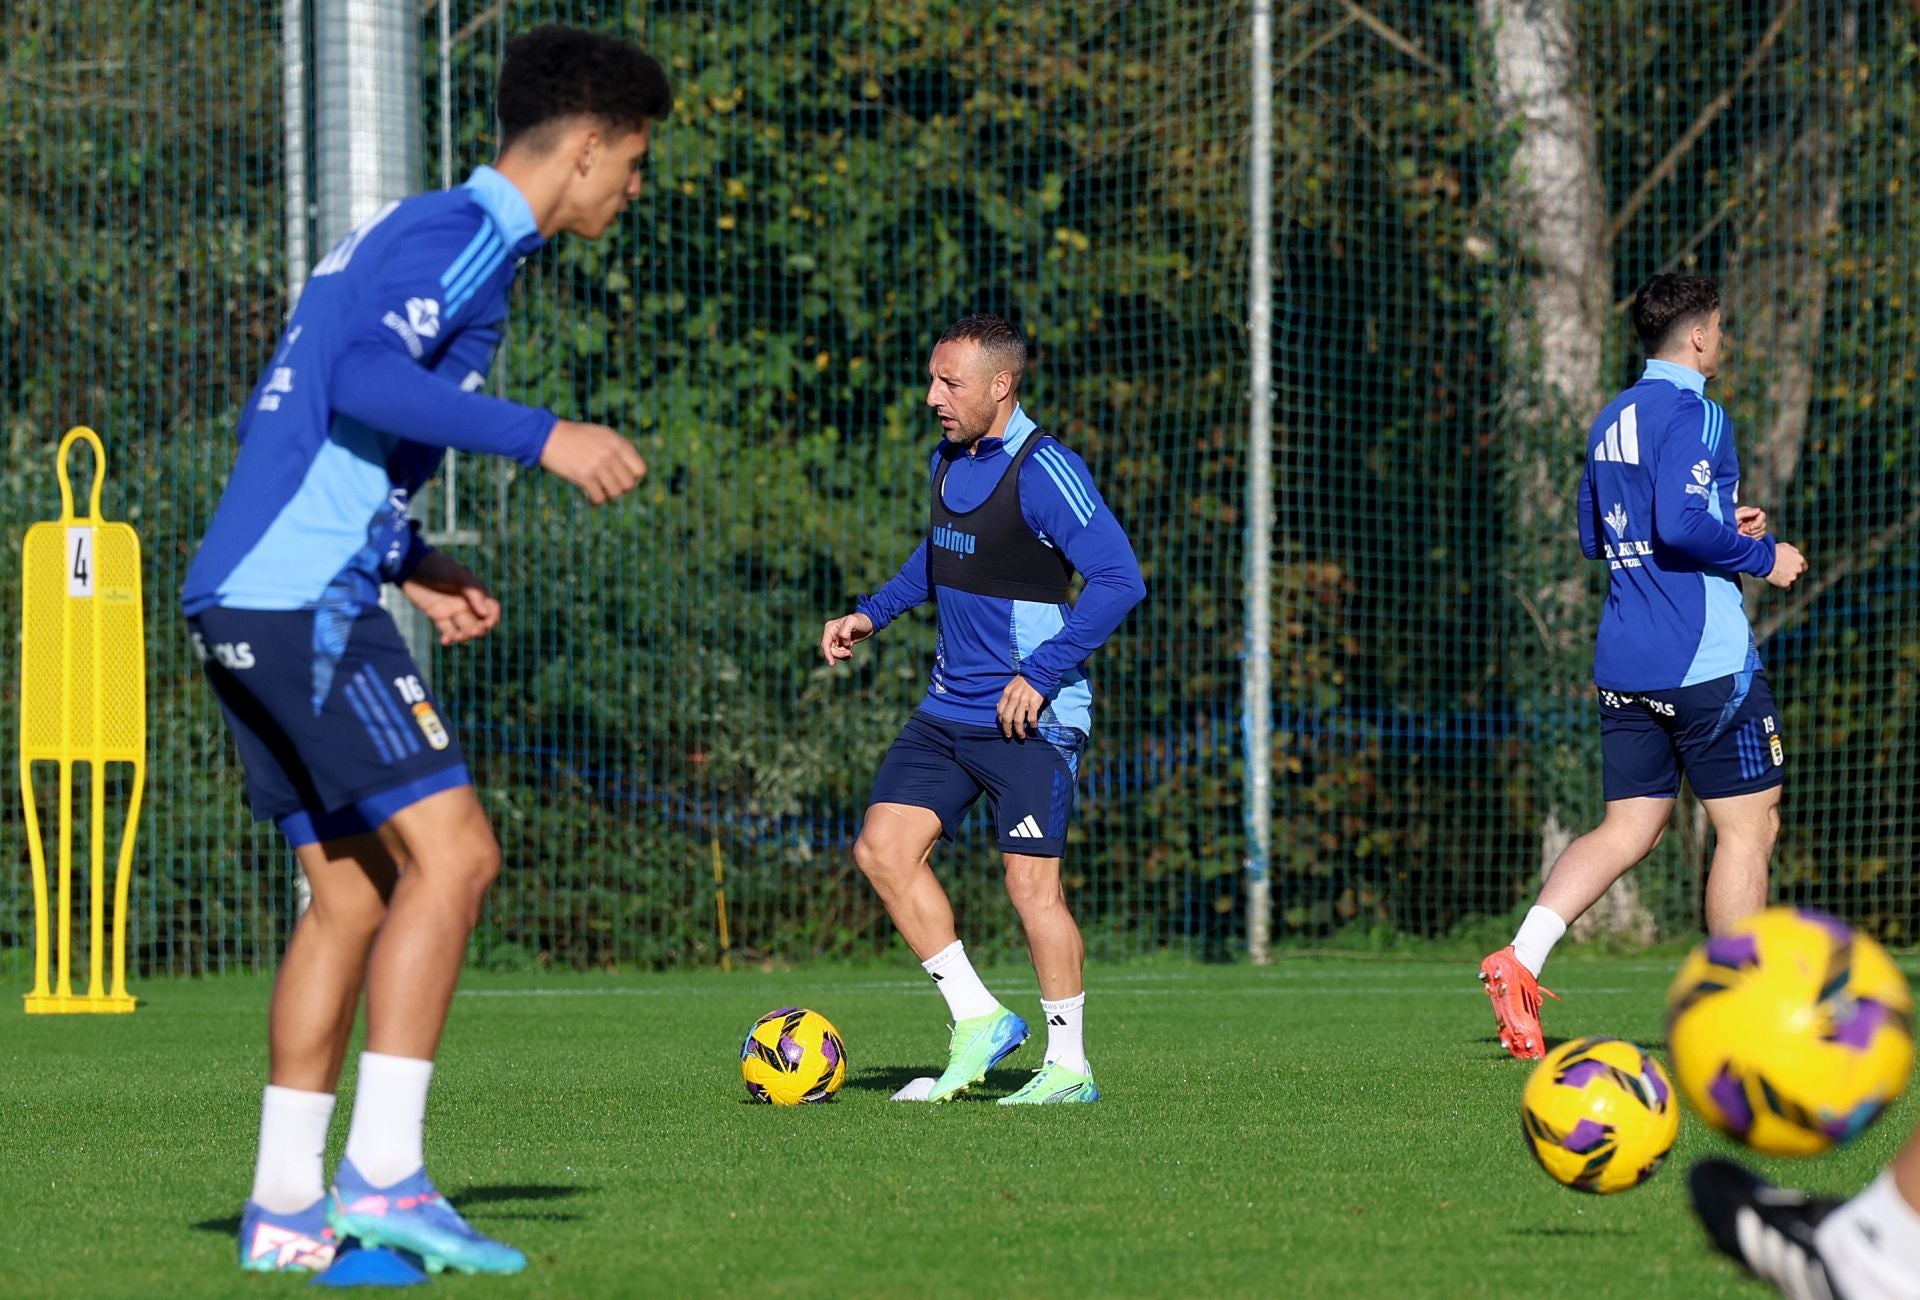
422 321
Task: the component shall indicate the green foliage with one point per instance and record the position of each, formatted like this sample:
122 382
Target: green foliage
835 185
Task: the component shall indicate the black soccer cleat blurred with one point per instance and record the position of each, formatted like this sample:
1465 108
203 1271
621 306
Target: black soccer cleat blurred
1769 1229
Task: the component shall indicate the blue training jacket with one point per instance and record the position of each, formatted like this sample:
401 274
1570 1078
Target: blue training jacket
984 641
1656 500
377 373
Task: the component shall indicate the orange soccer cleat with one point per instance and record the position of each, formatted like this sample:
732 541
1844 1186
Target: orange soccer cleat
1516 1004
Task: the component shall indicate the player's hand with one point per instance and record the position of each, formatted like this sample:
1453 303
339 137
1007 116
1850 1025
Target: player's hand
458 603
839 637
1750 520
1020 707
594 459
1788 565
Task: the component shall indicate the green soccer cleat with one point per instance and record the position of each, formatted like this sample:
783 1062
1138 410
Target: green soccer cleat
979 1044
1054 1084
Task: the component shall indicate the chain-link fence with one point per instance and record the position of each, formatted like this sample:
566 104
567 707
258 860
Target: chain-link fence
1464 196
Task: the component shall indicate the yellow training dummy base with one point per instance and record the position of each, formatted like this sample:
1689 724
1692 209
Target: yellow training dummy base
83 699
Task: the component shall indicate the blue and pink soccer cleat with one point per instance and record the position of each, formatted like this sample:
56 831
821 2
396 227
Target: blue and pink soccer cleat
300 1242
412 1216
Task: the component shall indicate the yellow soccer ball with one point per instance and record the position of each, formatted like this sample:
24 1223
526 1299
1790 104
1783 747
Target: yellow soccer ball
793 1056
1791 1032
1599 1115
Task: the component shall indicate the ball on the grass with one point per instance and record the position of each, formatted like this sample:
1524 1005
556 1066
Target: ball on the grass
1792 1032
793 1056
1599 1115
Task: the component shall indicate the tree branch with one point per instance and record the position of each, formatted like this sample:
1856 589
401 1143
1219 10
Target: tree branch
1381 28
1699 237
1665 168
1835 573
475 23
1311 48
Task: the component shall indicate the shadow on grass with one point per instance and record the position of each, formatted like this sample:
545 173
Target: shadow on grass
886 1078
465 1199
512 1193
889 1079
1652 1045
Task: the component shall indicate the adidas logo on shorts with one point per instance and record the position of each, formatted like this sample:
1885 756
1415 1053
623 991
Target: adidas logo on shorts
1028 829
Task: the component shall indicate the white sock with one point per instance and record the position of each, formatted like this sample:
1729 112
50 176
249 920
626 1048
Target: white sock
1872 1244
386 1140
1064 1040
1538 933
966 996
288 1175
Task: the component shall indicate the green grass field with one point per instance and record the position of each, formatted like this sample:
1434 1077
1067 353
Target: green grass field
1326 1127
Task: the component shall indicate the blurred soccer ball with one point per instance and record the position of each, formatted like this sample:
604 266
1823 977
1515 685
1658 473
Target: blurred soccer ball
1791 1032
1599 1115
793 1056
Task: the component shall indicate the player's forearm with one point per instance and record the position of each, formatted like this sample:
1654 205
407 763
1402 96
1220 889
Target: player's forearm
904 591
1589 528
1709 541
384 390
1104 604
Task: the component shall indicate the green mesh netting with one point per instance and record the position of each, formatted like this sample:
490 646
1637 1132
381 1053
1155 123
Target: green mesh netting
1462 203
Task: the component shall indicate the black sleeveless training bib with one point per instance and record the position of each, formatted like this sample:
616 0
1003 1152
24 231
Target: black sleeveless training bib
991 550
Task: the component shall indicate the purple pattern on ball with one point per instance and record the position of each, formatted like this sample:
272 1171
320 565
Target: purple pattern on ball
830 1049
1738 951
1858 1029
1731 1097
1581 1073
1657 1085
790 1051
1847 1127
1584 1137
1833 925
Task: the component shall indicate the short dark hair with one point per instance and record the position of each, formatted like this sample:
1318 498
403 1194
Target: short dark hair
1668 303
554 73
1002 343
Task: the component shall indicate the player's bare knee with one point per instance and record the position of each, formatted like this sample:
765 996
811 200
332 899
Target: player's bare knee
875 861
1033 890
468 869
484 865
356 918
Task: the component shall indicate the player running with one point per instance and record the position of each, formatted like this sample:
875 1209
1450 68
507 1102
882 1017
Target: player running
1679 676
1867 1248
344 746
1013 515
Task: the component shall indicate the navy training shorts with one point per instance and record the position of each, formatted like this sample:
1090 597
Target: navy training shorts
1723 734
334 725
946 766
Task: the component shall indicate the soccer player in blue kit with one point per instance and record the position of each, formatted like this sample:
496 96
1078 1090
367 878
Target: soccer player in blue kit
1013 515
1679 678
377 373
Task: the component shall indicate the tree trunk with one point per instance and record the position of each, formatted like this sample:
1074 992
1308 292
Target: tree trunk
1555 204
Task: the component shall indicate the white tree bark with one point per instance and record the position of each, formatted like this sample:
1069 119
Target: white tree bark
1554 197
1555 203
